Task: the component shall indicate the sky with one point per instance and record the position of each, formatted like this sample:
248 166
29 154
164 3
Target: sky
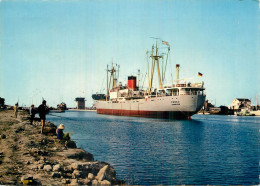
59 49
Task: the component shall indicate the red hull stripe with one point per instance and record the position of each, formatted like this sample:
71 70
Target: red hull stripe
157 114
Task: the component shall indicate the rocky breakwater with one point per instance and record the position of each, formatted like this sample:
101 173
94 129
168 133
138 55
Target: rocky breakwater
28 157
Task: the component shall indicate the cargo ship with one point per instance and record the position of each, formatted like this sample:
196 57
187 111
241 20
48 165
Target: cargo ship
180 100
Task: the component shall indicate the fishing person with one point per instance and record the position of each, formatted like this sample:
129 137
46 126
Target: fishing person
16 110
61 135
32 114
42 109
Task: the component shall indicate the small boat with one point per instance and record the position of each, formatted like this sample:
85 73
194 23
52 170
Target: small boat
255 112
245 112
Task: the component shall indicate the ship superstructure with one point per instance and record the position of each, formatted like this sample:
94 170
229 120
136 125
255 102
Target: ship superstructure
178 100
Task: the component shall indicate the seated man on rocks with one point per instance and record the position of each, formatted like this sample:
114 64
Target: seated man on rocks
61 135
65 137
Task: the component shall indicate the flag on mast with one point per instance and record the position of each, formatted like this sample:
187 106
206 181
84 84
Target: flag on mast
200 74
165 43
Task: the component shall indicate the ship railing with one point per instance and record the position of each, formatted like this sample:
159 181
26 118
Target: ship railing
197 85
193 93
177 94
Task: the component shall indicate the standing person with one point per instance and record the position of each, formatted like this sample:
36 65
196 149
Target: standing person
42 109
32 113
16 110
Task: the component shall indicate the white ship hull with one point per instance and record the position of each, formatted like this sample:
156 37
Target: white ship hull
181 106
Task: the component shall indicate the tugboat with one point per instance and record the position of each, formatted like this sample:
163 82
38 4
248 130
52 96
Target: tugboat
177 101
60 108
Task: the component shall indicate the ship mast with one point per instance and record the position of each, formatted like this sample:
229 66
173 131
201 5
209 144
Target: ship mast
156 58
113 76
155 61
107 83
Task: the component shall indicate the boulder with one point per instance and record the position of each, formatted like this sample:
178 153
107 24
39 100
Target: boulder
56 175
94 167
43 158
68 169
47 168
41 162
85 181
64 181
28 180
71 144
95 182
106 173
73 182
34 167
104 182
77 154
75 166
56 168
76 174
27 177
40 166
50 130
90 176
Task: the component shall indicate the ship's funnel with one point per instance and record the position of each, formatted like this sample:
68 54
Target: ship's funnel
177 72
131 82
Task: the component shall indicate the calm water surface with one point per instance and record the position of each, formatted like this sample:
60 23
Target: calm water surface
208 149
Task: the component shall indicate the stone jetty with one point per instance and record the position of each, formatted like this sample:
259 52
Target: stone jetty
28 157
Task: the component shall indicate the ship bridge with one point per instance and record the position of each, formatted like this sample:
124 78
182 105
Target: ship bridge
182 89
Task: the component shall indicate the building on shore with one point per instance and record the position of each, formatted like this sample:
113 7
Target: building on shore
239 103
80 103
208 105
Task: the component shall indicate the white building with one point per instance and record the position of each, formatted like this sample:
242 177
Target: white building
240 102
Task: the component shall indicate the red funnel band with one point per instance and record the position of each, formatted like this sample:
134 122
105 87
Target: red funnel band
131 83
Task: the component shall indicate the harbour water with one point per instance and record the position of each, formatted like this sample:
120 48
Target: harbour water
208 149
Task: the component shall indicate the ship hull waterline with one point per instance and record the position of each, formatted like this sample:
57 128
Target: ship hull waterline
176 107
149 114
